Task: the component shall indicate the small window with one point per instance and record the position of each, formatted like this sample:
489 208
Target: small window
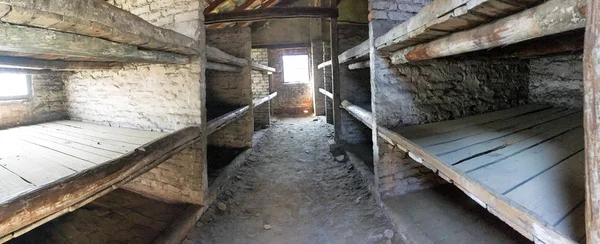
295 69
14 86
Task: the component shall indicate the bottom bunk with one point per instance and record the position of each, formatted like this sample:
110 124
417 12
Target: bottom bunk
50 169
525 165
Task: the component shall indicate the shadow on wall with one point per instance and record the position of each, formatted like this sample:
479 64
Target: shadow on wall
293 98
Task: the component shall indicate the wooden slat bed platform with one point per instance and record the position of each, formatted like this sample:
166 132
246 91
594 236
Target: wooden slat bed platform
525 165
53 168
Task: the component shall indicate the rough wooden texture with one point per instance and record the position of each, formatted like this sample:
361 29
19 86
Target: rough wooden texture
45 202
359 52
552 17
523 165
335 77
359 113
442 17
326 93
48 44
56 65
216 55
271 13
592 122
221 121
222 67
259 102
360 65
261 67
95 18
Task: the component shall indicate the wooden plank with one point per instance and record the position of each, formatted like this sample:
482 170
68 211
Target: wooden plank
270 14
360 65
261 67
57 65
419 131
573 226
93 149
222 121
551 17
324 64
77 133
16 40
566 123
326 93
591 101
335 76
502 176
29 207
111 129
102 135
36 169
259 102
553 194
122 149
222 67
359 113
96 18
513 128
216 55
11 183
485 128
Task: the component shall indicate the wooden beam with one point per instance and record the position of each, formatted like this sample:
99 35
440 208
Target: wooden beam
33 208
216 55
214 4
359 113
223 67
259 102
335 74
96 18
182 225
556 44
55 65
324 64
360 65
591 84
271 13
358 52
261 67
21 40
222 121
551 17
326 93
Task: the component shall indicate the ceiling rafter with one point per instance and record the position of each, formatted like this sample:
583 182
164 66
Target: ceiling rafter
213 5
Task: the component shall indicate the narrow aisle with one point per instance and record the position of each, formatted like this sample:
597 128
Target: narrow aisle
291 190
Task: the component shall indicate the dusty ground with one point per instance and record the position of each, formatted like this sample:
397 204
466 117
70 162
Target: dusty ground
291 190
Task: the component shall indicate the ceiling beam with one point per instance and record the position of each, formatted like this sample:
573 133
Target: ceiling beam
271 13
213 5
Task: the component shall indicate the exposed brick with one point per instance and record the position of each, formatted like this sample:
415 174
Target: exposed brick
293 98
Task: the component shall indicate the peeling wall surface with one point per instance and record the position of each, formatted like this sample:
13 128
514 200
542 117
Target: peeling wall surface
292 98
153 97
557 80
48 102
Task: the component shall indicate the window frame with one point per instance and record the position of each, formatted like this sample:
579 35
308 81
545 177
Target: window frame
23 97
307 69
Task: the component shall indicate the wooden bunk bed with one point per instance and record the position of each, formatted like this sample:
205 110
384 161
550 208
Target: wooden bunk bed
357 54
524 164
54 168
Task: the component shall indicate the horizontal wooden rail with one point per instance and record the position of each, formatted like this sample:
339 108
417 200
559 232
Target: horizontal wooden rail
57 65
358 52
216 55
220 122
259 102
359 113
271 13
40 205
223 67
551 17
326 93
261 67
360 65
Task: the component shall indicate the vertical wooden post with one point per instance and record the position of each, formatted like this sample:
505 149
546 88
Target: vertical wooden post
335 75
591 83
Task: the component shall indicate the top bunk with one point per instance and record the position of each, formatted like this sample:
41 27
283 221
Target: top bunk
444 27
356 54
221 61
89 31
50 169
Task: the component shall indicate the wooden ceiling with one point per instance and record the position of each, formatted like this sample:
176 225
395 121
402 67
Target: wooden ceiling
221 6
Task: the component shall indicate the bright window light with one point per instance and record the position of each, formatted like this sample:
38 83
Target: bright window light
14 86
295 69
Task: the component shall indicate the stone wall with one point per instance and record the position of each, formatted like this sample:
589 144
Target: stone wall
316 54
153 97
327 79
557 80
261 88
292 98
227 90
47 103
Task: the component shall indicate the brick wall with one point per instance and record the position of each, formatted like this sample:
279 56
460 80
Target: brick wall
557 80
327 79
231 90
292 98
153 97
47 103
261 88
316 49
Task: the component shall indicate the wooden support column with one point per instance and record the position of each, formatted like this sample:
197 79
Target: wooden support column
335 75
591 84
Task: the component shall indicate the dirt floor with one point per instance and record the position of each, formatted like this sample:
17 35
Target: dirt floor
291 190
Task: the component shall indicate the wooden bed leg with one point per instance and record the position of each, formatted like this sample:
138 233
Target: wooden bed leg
335 75
591 82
